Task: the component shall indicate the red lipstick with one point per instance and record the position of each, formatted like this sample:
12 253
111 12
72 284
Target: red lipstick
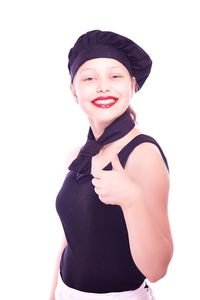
104 102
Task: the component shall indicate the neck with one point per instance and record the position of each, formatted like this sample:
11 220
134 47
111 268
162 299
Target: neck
99 127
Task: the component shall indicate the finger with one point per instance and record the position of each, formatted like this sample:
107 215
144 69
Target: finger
96 182
97 190
97 174
116 164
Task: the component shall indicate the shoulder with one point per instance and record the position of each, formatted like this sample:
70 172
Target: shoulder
147 151
146 165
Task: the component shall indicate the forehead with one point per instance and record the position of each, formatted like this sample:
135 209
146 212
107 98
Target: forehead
102 64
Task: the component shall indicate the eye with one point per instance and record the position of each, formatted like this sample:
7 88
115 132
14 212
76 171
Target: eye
116 76
89 78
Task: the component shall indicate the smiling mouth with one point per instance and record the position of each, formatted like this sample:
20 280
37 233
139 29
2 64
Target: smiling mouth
104 102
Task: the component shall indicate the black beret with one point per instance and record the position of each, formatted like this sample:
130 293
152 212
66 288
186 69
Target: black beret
107 44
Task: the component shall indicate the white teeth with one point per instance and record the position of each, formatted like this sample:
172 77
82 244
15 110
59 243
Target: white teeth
107 101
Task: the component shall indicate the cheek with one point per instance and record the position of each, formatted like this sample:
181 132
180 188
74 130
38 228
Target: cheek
83 99
127 91
80 94
85 94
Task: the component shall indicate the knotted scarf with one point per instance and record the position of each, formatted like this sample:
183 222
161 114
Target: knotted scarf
116 130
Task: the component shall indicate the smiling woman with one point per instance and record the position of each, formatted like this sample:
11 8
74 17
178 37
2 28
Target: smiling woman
103 83
113 202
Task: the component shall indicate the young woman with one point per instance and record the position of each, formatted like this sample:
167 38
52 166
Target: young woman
113 202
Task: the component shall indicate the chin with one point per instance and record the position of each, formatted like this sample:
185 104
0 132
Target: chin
107 115
104 116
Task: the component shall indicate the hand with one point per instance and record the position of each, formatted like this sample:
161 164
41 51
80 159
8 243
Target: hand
115 186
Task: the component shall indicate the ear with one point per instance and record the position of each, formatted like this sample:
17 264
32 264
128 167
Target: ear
73 92
133 84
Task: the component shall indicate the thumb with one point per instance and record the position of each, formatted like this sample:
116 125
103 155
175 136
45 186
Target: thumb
116 164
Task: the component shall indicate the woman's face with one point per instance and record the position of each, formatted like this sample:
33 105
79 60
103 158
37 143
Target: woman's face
103 88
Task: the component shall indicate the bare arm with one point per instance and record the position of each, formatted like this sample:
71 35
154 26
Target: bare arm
142 192
146 215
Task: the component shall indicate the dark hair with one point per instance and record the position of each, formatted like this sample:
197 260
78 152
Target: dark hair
132 112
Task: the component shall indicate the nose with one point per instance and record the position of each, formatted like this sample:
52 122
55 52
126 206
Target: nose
103 86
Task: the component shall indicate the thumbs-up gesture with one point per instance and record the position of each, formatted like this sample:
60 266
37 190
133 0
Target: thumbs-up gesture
113 187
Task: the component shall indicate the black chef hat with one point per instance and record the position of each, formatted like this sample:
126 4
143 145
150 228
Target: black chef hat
107 44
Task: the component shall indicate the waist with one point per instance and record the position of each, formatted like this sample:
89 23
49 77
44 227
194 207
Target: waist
71 293
100 273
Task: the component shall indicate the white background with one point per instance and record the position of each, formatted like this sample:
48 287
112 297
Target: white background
40 124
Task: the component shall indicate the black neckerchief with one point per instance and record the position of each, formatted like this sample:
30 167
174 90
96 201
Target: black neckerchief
116 130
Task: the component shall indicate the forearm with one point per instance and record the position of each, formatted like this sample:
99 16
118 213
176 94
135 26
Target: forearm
150 249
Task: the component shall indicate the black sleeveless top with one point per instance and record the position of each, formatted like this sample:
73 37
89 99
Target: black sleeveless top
97 258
